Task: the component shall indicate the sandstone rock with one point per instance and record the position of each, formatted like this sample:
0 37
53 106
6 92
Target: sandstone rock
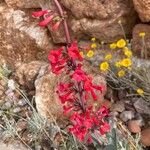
145 137
46 99
26 77
137 44
127 115
143 9
133 126
21 39
25 3
100 20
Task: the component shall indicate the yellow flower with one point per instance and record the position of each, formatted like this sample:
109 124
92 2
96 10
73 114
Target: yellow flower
81 53
127 52
104 66
142 34
118 64
108 57
113 46
121 43
140 91
93 45
126 62
121 73
93 39
90 53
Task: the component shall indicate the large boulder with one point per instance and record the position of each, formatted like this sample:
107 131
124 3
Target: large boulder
143 9
21 39
94 18
99 19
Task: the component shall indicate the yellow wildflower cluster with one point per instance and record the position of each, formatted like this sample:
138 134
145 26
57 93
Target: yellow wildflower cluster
93 45
121 43
142 34
108 57
113 46
104 66
126 62
121 73
127 52
90 53
140 91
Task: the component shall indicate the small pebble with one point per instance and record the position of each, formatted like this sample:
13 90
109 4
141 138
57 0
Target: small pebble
127 115
134 126
145 137
6 105
22 102
17 109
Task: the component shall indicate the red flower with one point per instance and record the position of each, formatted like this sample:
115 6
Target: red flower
79 75
104 128
73 52
46 21
63 87
56 26
57 60
39 13
55 55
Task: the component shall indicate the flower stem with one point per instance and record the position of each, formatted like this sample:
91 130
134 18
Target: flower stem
67 34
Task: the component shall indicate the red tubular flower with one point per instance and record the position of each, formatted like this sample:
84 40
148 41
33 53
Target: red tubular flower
79 75
105 127
56 26
63 87
57 60
55 55
46 21
39 13
73 52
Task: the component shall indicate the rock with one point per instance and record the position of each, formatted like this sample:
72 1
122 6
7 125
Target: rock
7 105
47 102
142 106
16 110
118 106
22 102
137 44
100 20
26 77
134 126
25 3
140 119
145 137
143 9
126 115
31 41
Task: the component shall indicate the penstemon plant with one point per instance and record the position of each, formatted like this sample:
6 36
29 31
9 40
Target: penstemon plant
75 93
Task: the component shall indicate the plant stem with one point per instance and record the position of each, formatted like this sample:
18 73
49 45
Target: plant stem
67 34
